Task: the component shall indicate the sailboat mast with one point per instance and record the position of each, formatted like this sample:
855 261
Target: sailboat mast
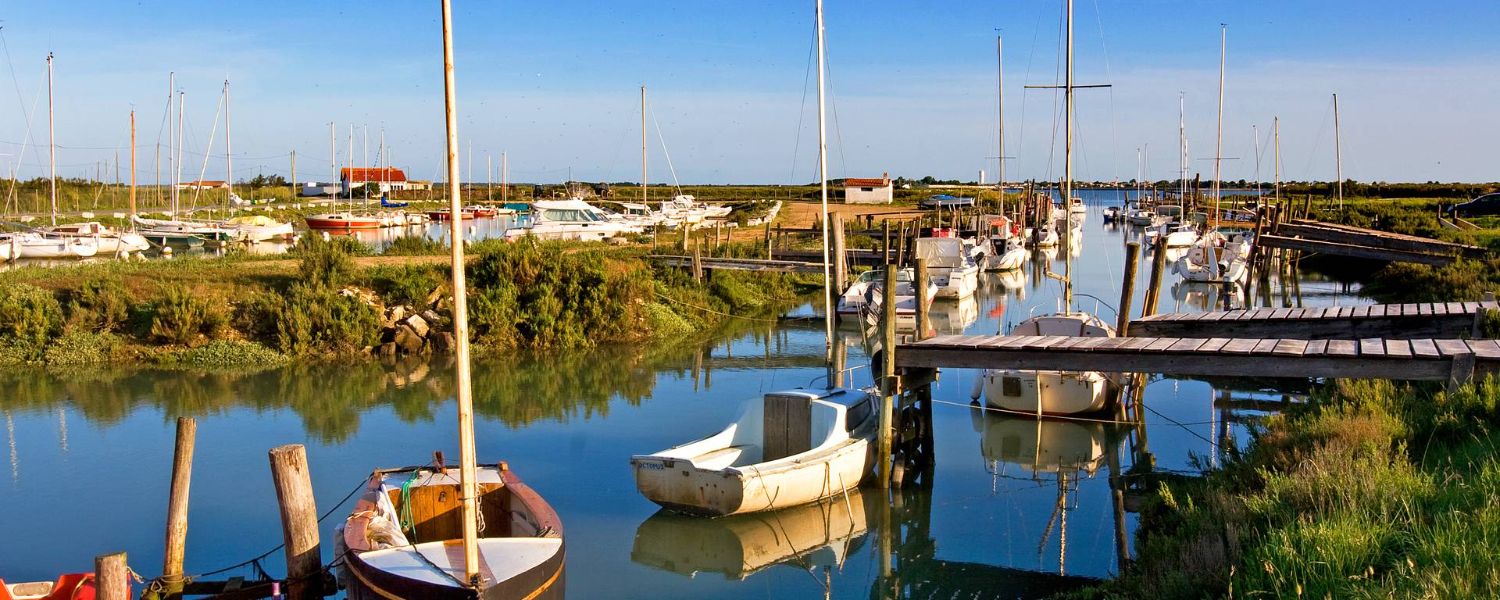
333 160
467 472
643 144
1182 153
1000 118
177 166
1067 187
228 152
349 164
132 169
1276 134
1219 139
823 194
1338 152
51 143
505 179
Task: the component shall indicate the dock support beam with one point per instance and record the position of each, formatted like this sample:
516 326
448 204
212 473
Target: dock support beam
111 577
299 522
177 506
924 310
888 376
1153 286
1127 288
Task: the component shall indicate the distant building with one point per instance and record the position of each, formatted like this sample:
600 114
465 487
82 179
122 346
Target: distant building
201 185
390 179
318 188
869 191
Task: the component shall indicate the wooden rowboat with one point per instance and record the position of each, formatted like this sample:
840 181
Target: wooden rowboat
402 538
785 449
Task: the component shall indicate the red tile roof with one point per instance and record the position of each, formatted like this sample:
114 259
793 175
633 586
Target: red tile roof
872 182
391 174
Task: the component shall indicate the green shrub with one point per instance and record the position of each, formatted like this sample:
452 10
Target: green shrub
99 305
227 353
406 284
180 317
82 348
565 296
29 316
329 263
414 245
312 320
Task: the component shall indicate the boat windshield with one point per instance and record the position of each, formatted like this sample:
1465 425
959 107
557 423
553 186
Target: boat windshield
568 215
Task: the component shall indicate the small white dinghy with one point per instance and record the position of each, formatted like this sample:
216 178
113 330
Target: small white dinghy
785 449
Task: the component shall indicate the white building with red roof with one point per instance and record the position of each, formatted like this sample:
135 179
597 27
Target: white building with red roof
388 178
869 190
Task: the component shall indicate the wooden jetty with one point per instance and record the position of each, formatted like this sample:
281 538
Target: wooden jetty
706 263
1357 242
1451 360
1433 320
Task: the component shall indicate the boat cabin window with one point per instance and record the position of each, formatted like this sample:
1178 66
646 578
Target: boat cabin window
1010 386
558 214
857 414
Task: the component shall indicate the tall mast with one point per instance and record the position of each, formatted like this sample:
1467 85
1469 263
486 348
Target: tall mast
505 179
349 164
365 162
382 160
1276 133
1067 187
228 152
643 144
1219 140
823 194
1000 118
333 159
132 169
467 475
51 142
177 175
1255 134
1182 153
1338 153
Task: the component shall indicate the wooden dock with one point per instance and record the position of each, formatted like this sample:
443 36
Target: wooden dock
1449 360
1356 242
1434 320
739 264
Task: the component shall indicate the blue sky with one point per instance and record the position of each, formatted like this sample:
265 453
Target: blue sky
555 84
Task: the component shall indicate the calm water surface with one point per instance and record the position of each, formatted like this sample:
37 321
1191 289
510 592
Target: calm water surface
89 453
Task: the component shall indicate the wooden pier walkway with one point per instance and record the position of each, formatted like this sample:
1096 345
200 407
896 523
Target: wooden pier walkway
1449 360
1343 240
1433 320
739 264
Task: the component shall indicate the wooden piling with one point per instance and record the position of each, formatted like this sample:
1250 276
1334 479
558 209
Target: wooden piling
768 239
840 253
177 506
1127 288
299 522
697 264
888 376
111 577
885 241
924 312
1153 285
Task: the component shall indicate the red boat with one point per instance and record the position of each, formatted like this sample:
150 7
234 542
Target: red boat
483 212
70 586
344 220
442 215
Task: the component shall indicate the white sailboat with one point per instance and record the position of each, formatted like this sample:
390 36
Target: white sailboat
250 228
1217 257
785 448
1053 392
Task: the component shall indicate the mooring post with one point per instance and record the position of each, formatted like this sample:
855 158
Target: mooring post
1153 285
768 239
177 506
1117 504
889 388
1127 288
697 264
299 522
1461 371
885 241
111 577
924 310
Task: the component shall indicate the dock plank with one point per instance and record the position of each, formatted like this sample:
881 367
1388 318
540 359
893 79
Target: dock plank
1316 348
1455 308
1240 346
1452 347
1372 347
1091 343
1485 349
1424 349
1342 348
1136 343
1281 313
1187 345
1213 345
1160 344
1398 348
1265 346
1289 347
1112 343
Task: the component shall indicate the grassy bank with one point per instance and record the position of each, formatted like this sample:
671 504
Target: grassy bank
332 300
1372 490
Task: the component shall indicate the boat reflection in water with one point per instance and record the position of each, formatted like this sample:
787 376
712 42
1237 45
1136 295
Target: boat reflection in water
952 317
822 534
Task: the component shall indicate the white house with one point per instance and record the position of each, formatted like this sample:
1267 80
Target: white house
388 178
869 191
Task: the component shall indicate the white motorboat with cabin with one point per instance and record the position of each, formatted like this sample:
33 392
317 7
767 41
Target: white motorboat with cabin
260 228
866 295
33 244
1049 392
110 241
570 219
784 449
949 265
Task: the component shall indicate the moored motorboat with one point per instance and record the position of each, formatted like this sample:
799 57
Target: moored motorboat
866 295
1049 392
784 449
401 539
37 245
952 269
344 221
447 215
111 242
260 228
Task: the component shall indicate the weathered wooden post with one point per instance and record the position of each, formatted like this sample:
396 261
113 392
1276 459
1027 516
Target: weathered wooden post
885 241
1127 288
299 522
768 239
111 577
697 264
889 389
177 506
1153 285
919 283
840 253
